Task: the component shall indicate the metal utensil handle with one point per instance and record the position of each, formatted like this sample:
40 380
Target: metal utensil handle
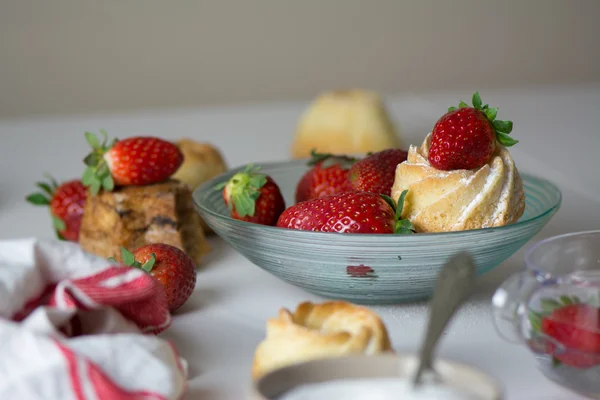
453 286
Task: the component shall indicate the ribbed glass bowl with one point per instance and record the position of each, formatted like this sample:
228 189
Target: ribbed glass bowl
367 268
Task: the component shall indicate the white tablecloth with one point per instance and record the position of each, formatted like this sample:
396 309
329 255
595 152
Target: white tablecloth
217 330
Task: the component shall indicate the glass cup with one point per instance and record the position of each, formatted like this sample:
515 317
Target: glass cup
553 307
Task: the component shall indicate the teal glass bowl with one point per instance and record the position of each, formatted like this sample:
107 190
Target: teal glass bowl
367 268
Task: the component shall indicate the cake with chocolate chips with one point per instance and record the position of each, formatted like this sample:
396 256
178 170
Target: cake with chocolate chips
133 216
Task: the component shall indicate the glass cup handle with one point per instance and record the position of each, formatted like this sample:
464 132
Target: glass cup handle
509 305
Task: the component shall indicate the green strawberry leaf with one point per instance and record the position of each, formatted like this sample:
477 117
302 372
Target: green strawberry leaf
220 186
38 199
535 319
53 182
97 174
92 159
95 187
88 176
505 140
389 200
503 126
491 113
476 100
108 183
402 226
58 223
128 258
244 189
59 236
92 140
45 187
462 104
450 109
549 305
150 263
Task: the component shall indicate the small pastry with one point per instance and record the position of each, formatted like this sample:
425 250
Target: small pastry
456 200
462 177
316 331
201 162
134 216
345 122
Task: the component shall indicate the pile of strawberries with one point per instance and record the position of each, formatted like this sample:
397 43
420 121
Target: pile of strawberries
134 161
342 194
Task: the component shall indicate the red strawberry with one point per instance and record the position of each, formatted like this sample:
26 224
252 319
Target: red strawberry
465 137
253 197
133 161
577 328
170 266
349 212
376 173
328 175
66 203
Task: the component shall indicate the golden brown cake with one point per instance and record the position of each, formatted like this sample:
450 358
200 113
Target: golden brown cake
134 216
345 122
314 331
201 162
442 201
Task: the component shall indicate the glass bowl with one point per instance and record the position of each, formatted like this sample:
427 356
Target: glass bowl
367 268
553 307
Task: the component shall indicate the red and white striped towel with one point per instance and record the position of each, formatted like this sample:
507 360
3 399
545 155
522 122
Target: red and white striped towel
73 327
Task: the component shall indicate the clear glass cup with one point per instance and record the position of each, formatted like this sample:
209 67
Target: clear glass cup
553 307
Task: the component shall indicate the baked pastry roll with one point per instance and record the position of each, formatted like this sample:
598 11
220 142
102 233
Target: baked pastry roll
345 122
442 201
314 331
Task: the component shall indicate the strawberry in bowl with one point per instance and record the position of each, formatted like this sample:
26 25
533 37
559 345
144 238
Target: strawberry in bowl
348 232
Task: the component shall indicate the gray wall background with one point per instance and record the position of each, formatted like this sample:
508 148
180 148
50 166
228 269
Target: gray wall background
73 56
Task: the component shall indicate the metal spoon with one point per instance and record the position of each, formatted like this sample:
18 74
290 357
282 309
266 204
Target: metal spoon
453 286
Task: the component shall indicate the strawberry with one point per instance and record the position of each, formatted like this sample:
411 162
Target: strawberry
328 175
66 203
465 137
170 266
573 328
349 212
376 172
136 161
253 197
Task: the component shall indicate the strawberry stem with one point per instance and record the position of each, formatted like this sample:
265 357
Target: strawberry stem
97 175
402 226
129 260
243 189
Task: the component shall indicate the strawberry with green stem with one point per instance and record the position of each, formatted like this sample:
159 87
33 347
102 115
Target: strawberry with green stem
170 266
253 197
348 212
570 330
134 161
328 175
465 137
66 202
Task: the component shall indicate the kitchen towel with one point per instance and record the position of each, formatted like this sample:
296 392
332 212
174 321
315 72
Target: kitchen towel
73 326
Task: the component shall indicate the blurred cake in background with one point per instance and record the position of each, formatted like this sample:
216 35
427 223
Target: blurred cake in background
201 162
345 122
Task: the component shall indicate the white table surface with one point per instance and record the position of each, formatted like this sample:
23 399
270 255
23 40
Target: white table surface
218 328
